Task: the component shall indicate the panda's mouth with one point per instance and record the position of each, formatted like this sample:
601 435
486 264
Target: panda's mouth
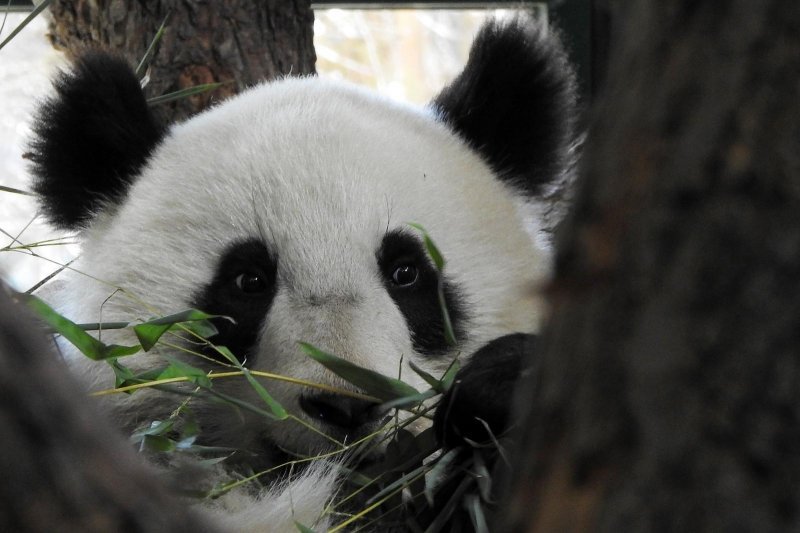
324 424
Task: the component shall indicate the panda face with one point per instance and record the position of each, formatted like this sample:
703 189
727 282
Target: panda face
287 209
289 213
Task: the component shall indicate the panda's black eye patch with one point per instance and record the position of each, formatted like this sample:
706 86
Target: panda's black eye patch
413 283
242 288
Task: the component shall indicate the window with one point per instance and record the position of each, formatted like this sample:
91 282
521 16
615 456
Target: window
408 53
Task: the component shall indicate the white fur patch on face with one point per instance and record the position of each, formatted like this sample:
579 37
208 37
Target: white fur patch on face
319 172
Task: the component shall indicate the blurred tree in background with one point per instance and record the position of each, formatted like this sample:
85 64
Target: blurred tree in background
207 41
667 396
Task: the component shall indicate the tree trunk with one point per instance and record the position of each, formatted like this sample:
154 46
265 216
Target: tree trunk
667 396
239 42
64 468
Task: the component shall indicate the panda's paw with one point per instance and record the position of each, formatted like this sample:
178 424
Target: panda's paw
477 408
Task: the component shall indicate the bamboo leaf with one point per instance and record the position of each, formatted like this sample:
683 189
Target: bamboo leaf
430 247
85 343
439 385
184 93
99 326
179 369
124 377
3 188
449 334
202 328
441 520
438 260
403 480
407 401
149 332
276 408
450 375
148 55
371 382
482 475
213 461
112 351
240 403
430 380
227 354
157 427
158 443
437 475
475 510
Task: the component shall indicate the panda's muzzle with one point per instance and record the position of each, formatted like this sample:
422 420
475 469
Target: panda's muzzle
341 412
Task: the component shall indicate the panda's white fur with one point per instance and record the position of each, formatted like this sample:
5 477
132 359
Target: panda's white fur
319 172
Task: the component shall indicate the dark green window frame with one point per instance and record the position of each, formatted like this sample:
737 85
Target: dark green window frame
16 5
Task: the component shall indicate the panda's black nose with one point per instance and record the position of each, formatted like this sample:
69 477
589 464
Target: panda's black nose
346 413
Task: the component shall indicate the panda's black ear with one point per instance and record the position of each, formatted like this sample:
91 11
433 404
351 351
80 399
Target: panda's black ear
515 102
90 139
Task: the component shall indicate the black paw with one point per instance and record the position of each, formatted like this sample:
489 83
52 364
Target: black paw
478 405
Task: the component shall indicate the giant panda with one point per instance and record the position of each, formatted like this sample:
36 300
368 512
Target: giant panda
286 209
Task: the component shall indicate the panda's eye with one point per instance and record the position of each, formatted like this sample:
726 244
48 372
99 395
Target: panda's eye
251 283
405 275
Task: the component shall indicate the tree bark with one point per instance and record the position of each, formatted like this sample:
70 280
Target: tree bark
239 42
667 394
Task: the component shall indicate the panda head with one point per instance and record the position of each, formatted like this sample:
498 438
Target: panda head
287 207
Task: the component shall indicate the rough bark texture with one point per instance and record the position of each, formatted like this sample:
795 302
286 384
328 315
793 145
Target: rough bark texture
668 392
236 41
64 468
